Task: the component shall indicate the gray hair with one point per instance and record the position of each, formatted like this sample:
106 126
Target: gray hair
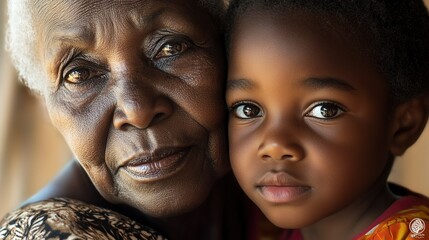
21 40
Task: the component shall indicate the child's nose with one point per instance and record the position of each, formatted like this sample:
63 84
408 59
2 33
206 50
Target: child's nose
274 151
280 145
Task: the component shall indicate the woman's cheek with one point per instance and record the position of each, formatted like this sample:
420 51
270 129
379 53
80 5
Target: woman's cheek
85 127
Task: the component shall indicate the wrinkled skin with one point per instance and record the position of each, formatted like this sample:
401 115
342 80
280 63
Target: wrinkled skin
136 89
312 135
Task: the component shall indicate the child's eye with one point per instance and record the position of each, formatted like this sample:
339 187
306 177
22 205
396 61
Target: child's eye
171 49
246 111
325 110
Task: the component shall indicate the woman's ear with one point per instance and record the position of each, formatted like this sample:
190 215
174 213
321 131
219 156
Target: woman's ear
409 121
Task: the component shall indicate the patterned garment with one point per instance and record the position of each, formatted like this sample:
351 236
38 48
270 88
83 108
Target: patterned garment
61 218
409 223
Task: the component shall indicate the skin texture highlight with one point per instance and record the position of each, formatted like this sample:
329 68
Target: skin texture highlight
118 90
311 130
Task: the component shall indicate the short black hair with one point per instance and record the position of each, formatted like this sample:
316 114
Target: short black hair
395 32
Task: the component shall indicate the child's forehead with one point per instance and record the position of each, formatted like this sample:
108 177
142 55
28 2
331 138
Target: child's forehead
302 30
301 40
323 21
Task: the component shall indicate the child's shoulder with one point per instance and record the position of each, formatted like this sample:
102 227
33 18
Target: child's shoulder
406 218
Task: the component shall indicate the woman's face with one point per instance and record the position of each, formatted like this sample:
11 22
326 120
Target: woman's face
136 89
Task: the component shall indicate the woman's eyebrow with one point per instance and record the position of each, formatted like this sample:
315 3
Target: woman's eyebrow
243 84
141 21
328 82
71 36
76 35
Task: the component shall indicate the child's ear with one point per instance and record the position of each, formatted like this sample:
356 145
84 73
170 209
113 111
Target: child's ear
409 121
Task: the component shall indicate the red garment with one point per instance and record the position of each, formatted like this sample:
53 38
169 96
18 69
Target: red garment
406 218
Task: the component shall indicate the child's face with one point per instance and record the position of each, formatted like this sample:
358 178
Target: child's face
136 89
309 134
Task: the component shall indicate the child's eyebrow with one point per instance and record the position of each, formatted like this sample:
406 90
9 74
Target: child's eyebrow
241 83
318 83
313 82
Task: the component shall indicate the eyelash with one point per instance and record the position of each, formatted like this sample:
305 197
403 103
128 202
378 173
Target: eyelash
80 70
339 110
183 42
86 69
184 46
234 108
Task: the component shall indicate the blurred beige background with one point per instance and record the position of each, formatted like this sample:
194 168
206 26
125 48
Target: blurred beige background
32 152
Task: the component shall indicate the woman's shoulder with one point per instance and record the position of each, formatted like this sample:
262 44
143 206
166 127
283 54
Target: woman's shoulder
62 218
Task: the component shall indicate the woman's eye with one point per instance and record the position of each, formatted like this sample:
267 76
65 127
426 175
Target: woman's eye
171 49
325 111
246 111
77 76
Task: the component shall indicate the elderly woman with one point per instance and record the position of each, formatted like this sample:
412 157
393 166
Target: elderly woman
136 89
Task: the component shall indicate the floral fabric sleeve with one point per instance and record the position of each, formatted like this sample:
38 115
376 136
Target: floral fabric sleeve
61 218
406 224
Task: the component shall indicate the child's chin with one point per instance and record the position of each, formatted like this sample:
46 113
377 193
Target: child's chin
282 220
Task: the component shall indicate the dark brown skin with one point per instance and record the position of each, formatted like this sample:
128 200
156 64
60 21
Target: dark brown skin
136 89
312 134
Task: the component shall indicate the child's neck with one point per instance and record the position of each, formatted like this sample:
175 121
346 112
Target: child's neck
354 218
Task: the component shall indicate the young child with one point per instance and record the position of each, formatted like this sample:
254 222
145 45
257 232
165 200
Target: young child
323 95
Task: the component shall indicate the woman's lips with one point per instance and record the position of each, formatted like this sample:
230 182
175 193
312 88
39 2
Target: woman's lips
162 164
280 187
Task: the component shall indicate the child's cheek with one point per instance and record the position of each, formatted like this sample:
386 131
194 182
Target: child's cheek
243 147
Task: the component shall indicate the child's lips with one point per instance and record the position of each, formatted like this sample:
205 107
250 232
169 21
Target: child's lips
281 188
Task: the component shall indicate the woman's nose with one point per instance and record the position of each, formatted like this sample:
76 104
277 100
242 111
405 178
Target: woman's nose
140 106
280 145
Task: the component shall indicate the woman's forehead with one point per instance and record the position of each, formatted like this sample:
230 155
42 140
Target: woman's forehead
60 6
103 20
78 9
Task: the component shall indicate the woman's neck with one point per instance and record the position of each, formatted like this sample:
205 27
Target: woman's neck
201 223
209 220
